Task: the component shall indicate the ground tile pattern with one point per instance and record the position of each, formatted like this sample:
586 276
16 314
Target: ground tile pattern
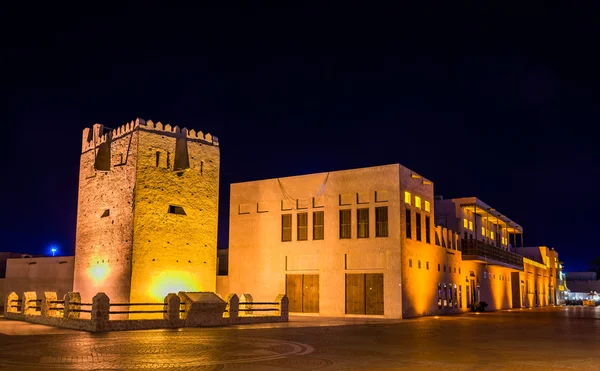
557 338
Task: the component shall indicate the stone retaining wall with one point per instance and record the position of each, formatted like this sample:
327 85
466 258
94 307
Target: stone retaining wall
201 310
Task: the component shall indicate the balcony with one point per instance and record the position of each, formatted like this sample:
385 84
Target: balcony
486 253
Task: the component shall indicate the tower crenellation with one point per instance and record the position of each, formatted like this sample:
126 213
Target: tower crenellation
95 136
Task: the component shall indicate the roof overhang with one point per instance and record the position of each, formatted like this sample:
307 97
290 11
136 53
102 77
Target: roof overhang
476 206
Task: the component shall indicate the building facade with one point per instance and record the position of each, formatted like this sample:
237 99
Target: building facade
365 242
147 212
39 274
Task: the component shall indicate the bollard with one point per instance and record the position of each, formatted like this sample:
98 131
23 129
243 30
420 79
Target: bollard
47 307
12 303
233 306
29 303
70 298
284 304
100 311
172 304
246 298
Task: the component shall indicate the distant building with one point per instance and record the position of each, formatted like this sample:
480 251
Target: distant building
28 272
542 279
581 285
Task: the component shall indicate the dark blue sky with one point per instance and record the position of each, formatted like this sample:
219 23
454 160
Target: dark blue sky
501 104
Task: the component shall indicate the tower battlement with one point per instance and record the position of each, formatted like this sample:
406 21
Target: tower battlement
95 136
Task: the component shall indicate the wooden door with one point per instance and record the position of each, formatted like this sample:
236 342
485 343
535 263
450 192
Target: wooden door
355 294
293 290
374 293
310 294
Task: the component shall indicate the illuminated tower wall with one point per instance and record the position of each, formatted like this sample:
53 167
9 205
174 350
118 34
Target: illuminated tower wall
147 212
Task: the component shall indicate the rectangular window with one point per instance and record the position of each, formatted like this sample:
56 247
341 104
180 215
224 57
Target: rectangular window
286 227
492 235
455 296
176 210
419 264
408 225
410 263
345 223
470 225
407 197
483 231
362 215
417 202
418 225
302 226
460 296
465 223
439 296
381 221
427 206
427 265
318 225
428 229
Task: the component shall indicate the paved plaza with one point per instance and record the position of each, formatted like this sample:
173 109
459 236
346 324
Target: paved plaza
565 338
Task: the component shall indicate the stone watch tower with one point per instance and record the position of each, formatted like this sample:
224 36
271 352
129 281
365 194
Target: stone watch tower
147 212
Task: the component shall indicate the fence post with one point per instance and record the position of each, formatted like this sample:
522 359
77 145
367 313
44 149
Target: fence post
72 301
233 307
284 303
29 303
246 298
172 304
47 306
100 311
12 301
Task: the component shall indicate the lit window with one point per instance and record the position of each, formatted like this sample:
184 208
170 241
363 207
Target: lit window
465 223
470 225
492 235
483 231
407 197
417 202
427 206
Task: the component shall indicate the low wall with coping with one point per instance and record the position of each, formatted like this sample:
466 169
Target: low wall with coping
185 309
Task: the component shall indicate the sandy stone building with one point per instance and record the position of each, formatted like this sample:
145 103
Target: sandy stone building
39 274
147 212
370 241
541 281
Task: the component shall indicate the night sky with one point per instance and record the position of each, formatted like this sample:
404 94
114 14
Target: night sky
501 104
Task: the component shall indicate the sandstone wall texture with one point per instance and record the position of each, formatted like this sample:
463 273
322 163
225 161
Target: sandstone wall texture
105 210
147 222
